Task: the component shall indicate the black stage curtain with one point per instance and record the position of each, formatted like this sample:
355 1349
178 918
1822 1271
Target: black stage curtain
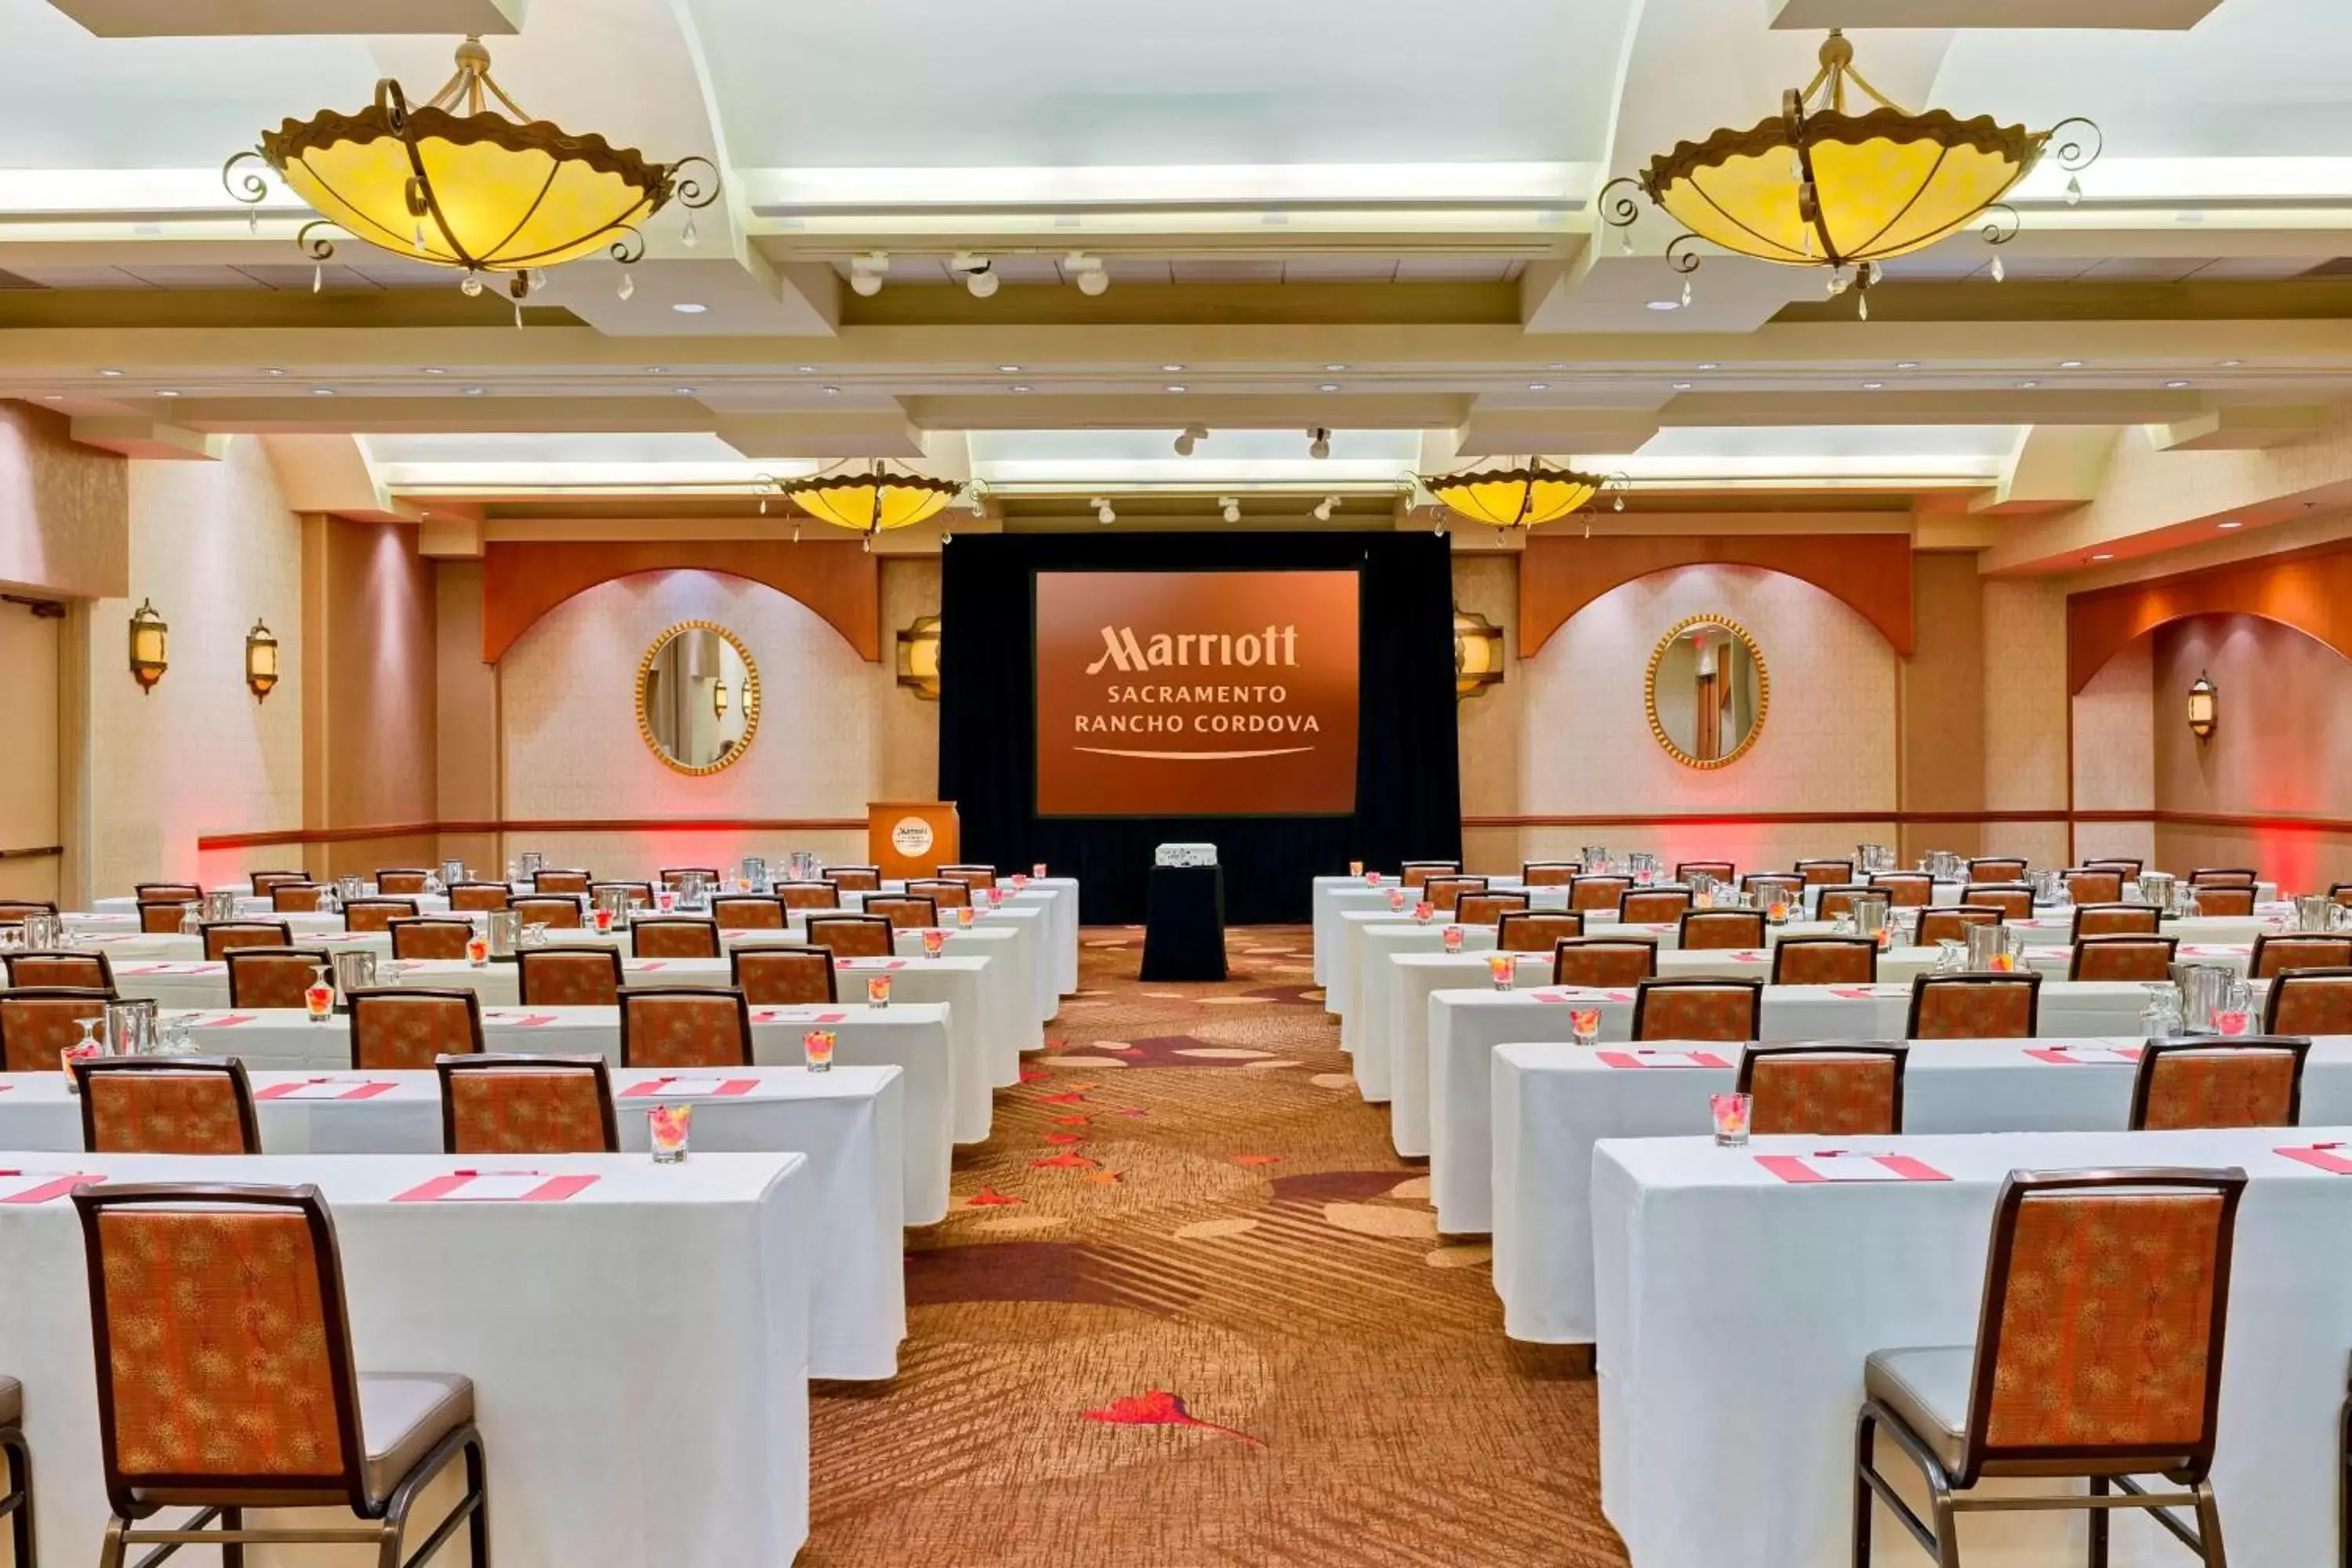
1407 789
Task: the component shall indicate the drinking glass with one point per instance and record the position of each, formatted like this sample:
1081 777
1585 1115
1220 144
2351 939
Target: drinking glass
816 1046
934 940
1422 911
2236 1011
667 1129
1355 868
1584 1024
1038 870
478 951
1505 968
90 1047
604 922
1951 956
965 916
1731 1113
1451 937
2160 1014
877 989
319 997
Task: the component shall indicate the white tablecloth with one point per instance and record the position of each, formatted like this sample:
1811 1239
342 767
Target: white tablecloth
1464 1027
1735 1311
849 1122
911 1037
952 984
1554 1102
639 1351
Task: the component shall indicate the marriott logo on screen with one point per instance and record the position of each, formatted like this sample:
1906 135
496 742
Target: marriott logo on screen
1275 646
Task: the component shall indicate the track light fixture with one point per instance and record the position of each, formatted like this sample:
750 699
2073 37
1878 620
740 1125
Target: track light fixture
865 272
1087 272
1232 507
1318 442
1192 437
1324 508
1104 512
978 272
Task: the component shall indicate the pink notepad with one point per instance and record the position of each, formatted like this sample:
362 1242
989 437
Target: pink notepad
709 1085
1868 993
796 1016
1647 1059
326 1089
869 963
2321 1156
228 1021
522 1020
1583 996
1804 1170
495 1187
41 1186
2082 1055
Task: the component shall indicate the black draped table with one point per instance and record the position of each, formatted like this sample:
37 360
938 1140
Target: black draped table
1184 934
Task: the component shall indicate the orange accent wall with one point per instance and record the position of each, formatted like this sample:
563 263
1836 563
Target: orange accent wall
1871 572
2310 590
521 583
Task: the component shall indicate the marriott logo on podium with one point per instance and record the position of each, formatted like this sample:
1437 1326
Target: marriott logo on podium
1275 646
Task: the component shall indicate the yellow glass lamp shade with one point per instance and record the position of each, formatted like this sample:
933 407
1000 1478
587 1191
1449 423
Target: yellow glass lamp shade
260 660
2204 707
1477 653
871 503
150 643
1515 498
918 657
1884 183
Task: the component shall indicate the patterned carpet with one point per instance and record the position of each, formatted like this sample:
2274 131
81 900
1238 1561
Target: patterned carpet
1190 1310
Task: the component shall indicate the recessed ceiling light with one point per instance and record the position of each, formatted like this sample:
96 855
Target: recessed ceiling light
1539 386
1171 368
1330 386
430 369
2103 556
110 372
1009 368
322 392
1682 386
2229 523
166 392
2231 363
2070 364
683 391
1335 369
832 392
52 398
806 368
1663 304
476 391
689 307
273 370
1557 365
1906 364
2027 386
1709 365
657 370
1018 387
1175 389
2174 385
1871 385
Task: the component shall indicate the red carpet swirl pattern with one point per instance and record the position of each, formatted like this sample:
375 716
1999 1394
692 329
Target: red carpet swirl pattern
1188 1310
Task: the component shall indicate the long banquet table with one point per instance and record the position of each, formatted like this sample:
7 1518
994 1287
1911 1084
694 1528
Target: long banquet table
1735 1310
639 1350
848 1122
1554 1102
1464 1027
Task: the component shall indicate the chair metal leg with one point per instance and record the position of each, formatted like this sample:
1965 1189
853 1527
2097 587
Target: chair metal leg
1948 1526
20 1481
1864 1429
109 1552
2209 1526
232 1552
2098 1524
477 1481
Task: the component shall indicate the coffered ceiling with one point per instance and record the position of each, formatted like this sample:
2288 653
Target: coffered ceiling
1342 215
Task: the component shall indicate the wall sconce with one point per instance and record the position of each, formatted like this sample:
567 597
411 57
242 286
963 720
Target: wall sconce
149 643
719 699
2204 707
918 657
1477 653
260 660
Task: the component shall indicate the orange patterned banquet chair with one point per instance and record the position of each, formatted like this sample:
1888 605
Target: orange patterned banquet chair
2116 919
641 894
1588 894
267 977
1717 929
1825 960
808 895
1698 1009
785 976
1654 906
854 878
80 971
1904 889
1997 868
377 914
2122 865
1950 923
1719 870
430 938
2130 957
2253 1080
2015 901
970 876
2341 892
571 881
159 917
2310 1002
944 892
568 977
904 913
296 898
475 898
1818 873
853 936
527 1105
671 876
1414 873
750 911
400 881
1836 899
1595 962
2225 898
263 882
166 1105
14 910
2273 955
1764 888
1488 908
2223 877
35 1026
2035 1397
684 1027
169 892
553 911
1975 1006
1536 931
175 1268
2090 886
673 936
1549 873
222 937
1829 1088
1445 892
403 1028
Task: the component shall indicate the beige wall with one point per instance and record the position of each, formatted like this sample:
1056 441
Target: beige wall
2114 755
2283 747
906 727
466 751
1943 710
64 508
214 546
1490 722
370 735
30 816
2026 716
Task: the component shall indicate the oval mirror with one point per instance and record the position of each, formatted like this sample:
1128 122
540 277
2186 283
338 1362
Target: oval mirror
1708 690
698 698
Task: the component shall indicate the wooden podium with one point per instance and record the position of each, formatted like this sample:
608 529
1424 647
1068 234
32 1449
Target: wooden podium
912 838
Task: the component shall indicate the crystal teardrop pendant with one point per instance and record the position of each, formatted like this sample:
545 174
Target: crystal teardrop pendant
689 237
470 286
1999 272
1686 293
318 278
629 286
2074 191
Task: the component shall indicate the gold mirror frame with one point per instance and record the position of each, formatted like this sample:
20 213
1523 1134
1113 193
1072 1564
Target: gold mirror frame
1763 690
751 699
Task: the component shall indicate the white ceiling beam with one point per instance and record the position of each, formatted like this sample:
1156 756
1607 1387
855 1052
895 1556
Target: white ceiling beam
2054 468
1493 430
259 18
2170 15
882 433
2242 427
135 436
